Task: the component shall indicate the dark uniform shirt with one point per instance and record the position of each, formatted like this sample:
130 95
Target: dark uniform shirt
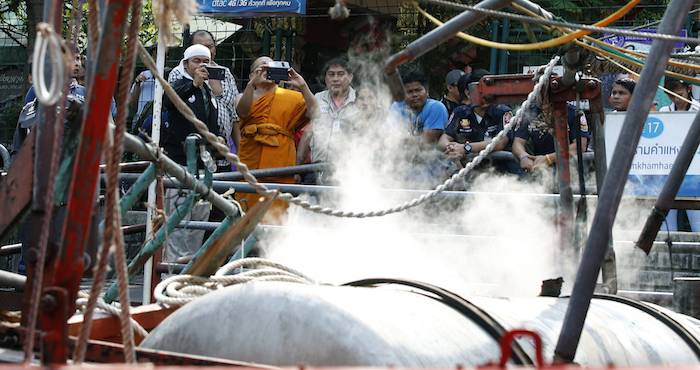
464 127
541 141
450 105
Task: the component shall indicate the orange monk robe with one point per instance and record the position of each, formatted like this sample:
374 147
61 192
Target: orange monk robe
267 139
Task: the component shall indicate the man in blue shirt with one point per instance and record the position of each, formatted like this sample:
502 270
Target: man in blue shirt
427 116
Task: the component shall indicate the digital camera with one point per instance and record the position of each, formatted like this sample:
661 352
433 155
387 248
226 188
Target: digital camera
278 71
216 73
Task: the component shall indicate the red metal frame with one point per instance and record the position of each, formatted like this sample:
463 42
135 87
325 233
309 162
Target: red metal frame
16 187
67 269
509 89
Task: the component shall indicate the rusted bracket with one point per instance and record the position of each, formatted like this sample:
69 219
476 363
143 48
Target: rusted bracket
16 187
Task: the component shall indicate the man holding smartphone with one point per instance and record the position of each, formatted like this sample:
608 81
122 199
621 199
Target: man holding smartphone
269 116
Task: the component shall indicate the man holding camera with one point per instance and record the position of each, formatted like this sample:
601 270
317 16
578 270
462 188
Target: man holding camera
269 115
192 88
222 85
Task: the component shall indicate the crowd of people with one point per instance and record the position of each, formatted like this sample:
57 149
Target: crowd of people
276 121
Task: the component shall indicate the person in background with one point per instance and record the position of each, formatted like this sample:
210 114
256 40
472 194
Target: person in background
336 119
452 99
472 127
192 88
683 100
269 115
426 117
534 133
224 91
621 94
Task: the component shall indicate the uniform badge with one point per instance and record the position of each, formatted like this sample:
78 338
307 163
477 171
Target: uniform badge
191 99
465 123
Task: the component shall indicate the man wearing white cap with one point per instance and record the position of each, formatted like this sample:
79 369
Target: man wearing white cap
193 89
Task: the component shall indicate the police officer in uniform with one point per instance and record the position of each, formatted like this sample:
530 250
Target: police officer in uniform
471 128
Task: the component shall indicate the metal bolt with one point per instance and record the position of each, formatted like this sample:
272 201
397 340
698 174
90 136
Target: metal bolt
488 81
48 302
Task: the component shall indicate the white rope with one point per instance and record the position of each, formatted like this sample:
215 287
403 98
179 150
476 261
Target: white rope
181 289
264 191
47 40
111 309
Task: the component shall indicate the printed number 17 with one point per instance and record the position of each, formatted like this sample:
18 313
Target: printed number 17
653 126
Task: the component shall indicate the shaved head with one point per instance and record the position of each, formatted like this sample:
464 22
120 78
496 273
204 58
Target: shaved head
259 62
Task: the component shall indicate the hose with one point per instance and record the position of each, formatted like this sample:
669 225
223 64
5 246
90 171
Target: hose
537 45
459 304
47 40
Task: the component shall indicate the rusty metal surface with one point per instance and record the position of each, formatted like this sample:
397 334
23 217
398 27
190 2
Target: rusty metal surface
513 89
106 327
66 270
565 215
16 187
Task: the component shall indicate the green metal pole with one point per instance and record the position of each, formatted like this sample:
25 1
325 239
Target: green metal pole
135 191
225 224
494 52
155 244
503 58
152 246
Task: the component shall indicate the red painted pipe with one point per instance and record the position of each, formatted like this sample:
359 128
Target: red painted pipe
68 267
566 213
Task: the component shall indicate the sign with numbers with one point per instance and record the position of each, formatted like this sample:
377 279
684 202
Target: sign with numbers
252 7
658 147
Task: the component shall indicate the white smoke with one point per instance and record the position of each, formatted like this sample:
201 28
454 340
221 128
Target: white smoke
500 242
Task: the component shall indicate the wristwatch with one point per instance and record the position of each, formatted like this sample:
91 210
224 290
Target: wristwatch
467 148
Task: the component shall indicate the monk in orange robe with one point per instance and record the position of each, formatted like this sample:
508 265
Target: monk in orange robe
269 115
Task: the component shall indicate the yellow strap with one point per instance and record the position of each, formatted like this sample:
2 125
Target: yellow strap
537 45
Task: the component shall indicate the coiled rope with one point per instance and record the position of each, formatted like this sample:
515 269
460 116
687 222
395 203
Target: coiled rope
47 41
181 289
111 309
264 191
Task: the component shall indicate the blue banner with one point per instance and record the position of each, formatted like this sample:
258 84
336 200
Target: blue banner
252 7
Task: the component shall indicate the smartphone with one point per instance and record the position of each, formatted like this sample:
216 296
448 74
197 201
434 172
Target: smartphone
278 71
216 73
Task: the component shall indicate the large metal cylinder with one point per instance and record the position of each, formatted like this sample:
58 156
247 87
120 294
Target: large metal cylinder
293 324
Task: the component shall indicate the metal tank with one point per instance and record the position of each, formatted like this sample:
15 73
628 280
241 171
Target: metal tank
409 324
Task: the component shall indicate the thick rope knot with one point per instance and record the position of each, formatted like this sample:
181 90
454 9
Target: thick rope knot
181 289
265 133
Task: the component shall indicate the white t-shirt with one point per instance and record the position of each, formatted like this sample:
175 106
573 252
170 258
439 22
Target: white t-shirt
694 107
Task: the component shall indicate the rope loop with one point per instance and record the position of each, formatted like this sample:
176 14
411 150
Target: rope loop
47 41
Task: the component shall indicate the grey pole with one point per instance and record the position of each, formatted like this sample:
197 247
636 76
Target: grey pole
670 189
614 183
431 40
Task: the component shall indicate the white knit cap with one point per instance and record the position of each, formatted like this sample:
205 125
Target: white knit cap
197 50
